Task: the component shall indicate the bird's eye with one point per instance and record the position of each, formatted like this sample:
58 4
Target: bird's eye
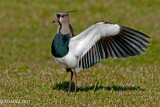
62 16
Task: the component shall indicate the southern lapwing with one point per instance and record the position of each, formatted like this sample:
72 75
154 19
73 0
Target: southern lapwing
100 41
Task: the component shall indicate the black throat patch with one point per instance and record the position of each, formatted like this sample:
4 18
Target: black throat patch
59 47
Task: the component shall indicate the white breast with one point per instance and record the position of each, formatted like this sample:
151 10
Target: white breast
68 61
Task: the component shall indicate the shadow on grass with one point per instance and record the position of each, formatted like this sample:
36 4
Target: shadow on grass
64 86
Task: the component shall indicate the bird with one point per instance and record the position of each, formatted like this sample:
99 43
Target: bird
100 41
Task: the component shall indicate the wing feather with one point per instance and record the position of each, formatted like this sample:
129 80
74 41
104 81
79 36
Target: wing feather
122 47
117 49
135 32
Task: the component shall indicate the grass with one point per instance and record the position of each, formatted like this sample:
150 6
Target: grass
28 72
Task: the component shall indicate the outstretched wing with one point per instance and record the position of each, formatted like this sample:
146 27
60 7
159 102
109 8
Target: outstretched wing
105 40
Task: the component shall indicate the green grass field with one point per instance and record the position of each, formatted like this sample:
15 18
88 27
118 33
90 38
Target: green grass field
29 73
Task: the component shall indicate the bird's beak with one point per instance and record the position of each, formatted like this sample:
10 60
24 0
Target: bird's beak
56 20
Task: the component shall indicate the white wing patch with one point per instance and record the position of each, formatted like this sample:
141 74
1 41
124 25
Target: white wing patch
80 44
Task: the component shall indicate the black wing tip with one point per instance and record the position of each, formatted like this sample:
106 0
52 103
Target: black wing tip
149 43
147 37
136 31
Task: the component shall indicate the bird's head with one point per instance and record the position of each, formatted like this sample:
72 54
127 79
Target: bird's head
62 18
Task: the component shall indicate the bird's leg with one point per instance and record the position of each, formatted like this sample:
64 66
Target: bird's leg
69 70
75 83
70 82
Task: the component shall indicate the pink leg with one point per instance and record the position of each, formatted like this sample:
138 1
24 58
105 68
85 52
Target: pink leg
75 83
69 70
70 83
